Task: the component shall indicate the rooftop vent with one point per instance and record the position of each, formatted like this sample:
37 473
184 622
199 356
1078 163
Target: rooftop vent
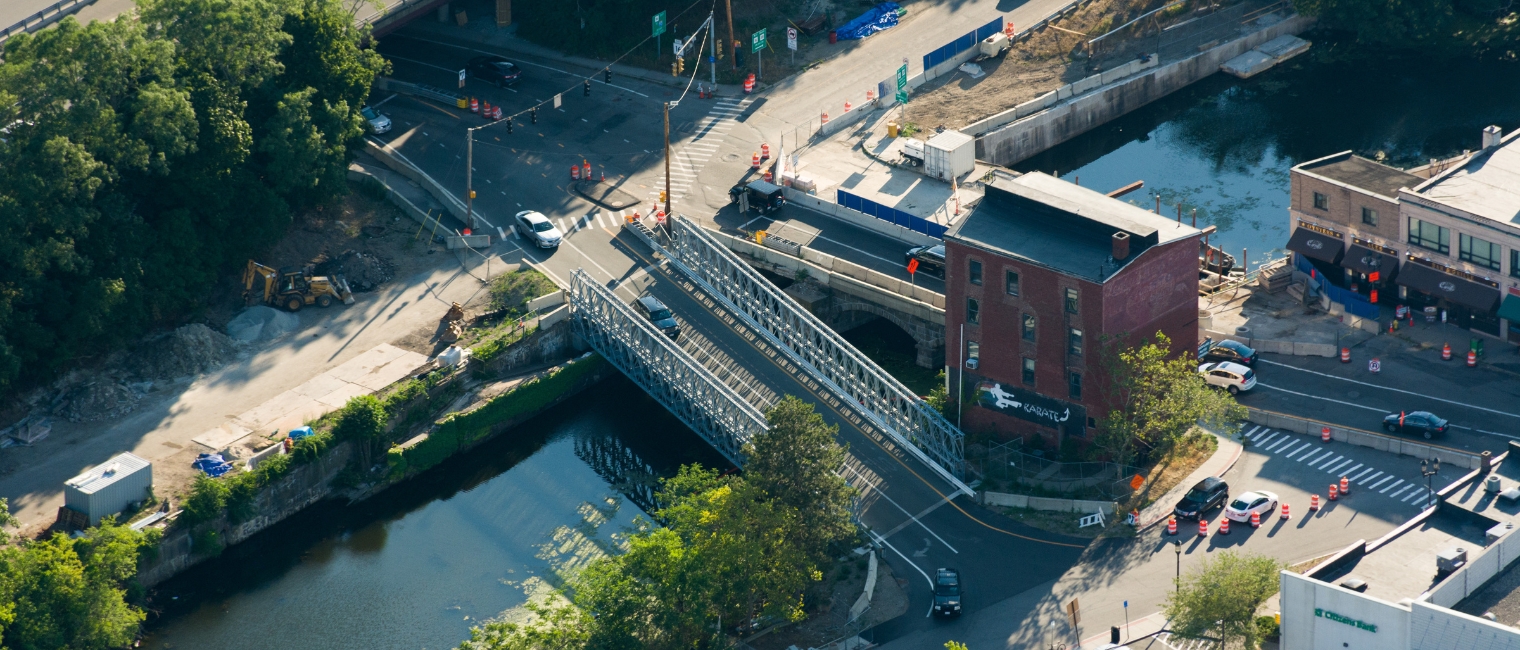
1491 136
1121 246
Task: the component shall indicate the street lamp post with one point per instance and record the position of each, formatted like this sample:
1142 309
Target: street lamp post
1177 546
1428 469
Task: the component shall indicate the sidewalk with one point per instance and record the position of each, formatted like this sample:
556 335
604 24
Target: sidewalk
1223 459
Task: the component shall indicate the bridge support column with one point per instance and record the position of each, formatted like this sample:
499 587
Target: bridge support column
927 352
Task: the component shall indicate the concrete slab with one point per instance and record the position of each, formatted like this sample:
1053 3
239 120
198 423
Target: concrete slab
221 437
337 398
393 370
360 369
271 410
318 386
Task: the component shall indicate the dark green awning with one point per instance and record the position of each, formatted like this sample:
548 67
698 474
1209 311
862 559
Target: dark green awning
1510 308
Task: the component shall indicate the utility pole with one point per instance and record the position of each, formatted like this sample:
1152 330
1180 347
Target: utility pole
733 60
712 33
667 162
469 178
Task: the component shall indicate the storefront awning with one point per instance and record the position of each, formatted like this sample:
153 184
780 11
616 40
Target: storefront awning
1312 244
1510 308
1450 287
1365 260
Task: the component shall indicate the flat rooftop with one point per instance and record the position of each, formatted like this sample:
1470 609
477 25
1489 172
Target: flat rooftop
1357 171
1488 185
1478 500
1406 566
1053 223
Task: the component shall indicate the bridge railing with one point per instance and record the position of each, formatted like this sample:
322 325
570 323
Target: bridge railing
654 362
834 362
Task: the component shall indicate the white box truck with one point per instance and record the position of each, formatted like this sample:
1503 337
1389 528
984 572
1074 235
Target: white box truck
949 155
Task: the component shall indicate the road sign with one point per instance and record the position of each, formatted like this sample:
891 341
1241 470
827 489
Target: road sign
757 41
657 25
461 78
902 77
791 38
677 47
912 266
1376 366
1074 611
556 101
902 96
1136 482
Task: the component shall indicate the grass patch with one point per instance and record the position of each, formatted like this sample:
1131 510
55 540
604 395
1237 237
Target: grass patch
1172 468
895 351
512 291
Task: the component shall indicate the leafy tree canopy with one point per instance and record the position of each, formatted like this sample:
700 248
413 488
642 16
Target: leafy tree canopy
71 593
1155 399
1220 599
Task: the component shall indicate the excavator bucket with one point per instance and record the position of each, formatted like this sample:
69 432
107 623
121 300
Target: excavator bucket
344 292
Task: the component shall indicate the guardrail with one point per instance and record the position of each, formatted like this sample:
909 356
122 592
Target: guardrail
43 18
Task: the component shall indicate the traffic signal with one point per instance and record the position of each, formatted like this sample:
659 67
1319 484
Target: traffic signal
533 115
674 68
586 89
680 65
607 76
509 126
662 196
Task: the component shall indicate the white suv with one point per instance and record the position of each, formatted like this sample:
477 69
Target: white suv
1232 377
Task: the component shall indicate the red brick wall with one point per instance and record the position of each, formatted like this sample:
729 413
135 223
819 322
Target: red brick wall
1158 291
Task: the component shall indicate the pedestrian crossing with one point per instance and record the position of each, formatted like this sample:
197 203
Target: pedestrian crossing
1363 478
610 219
688 158
1173 642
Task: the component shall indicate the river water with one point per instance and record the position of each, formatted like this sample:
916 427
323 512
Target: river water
420 563
1224 145
416 566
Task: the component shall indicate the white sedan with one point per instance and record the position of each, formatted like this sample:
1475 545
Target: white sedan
1240 509
1230 376
537 228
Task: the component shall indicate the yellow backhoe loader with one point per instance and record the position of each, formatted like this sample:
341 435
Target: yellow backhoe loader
293 288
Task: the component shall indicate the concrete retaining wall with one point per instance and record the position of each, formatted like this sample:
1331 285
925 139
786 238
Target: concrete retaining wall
844 276
1296 348
1043 503
1362 438
1031 135
399 163
857 218
358 174
1060 94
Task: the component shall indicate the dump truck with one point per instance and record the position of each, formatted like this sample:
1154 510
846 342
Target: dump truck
293 288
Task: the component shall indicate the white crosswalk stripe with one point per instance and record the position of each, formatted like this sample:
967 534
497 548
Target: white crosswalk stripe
1385 480
1415 494
1395 495
1390 487
1253 431
1369 470
1328 462
1282 444
1266 439
1351 471
1308 459
1312 451
1336 468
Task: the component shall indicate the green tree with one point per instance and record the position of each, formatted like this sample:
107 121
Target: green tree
207 498
70 593
797 463
1220 598
363 421
955 645
1155 399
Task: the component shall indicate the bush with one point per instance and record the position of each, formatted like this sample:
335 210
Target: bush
310 448
207 498
241 491
207 542
362 419
1268 626
512 291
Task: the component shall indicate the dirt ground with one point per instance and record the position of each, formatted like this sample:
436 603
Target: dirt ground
1049 60
830 622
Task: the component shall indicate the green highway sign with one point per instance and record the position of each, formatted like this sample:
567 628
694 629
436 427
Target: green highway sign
902 77
902 96
658 24
757 41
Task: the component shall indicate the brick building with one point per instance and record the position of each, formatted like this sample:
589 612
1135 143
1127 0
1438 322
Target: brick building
1036 276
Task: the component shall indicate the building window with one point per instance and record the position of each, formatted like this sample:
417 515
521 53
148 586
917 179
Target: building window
973 311
976 272
1029 327
1321 202
1029 371
1011 282
1071 301
1428 235
1480 252
1074 385
1514 263
1074 342
1369 216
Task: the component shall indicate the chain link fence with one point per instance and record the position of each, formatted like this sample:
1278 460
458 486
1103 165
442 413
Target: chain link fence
1008 462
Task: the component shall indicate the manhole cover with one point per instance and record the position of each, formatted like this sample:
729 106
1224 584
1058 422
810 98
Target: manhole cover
731 157
1353 394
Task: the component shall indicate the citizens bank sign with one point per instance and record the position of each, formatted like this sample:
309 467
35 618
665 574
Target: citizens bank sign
1361 625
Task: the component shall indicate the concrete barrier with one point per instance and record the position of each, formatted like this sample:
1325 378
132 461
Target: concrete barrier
358 174
399 163
857 218
1295 348
550 319
1050 504
549 300
837 122
468 241
1363 438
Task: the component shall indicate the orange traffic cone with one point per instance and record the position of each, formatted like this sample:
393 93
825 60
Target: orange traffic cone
1224 526
1255 519
1345 486
1171 525
1314 502
754 160
1285 512
1203 527
1446 352
1334 492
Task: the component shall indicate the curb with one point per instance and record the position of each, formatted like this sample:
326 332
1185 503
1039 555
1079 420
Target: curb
1239 451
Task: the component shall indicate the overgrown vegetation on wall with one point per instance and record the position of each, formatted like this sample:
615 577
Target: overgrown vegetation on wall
146 156
1439 27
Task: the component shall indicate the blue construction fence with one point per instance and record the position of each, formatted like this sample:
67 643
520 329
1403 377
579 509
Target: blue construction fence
890 215
962 44
1351 301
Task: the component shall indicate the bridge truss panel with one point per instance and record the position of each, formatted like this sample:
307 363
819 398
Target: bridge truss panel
654 362
878 395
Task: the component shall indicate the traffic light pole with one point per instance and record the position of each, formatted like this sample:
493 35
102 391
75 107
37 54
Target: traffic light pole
469 177
733 60
667 162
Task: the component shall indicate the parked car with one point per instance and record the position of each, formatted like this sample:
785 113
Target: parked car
539 229
1423 423
1232 377
764 197
660 315
494 69
1232 351
1260 502
947 592
1205 496
378 122
931 259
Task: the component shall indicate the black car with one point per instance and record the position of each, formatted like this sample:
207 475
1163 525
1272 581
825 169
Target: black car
931 259
660 315
1209 492
1416 422
494 69
763 196
1232 351
947 592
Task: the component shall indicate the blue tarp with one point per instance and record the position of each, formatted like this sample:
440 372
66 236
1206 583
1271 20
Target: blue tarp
300 432
212 464
878 18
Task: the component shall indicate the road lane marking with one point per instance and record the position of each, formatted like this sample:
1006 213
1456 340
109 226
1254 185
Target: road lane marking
1396 390
1395 495
1252 431
1414 494
1391 486
1283 444
1385 480
1358 478
1294 392
1327 463
1351 471
1263 441
912 519
1312 451
1291 443
1337 469
904 557
1492 433
379 103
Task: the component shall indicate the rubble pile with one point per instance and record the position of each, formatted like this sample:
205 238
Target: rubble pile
260 323
97 400
189 350
364 271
